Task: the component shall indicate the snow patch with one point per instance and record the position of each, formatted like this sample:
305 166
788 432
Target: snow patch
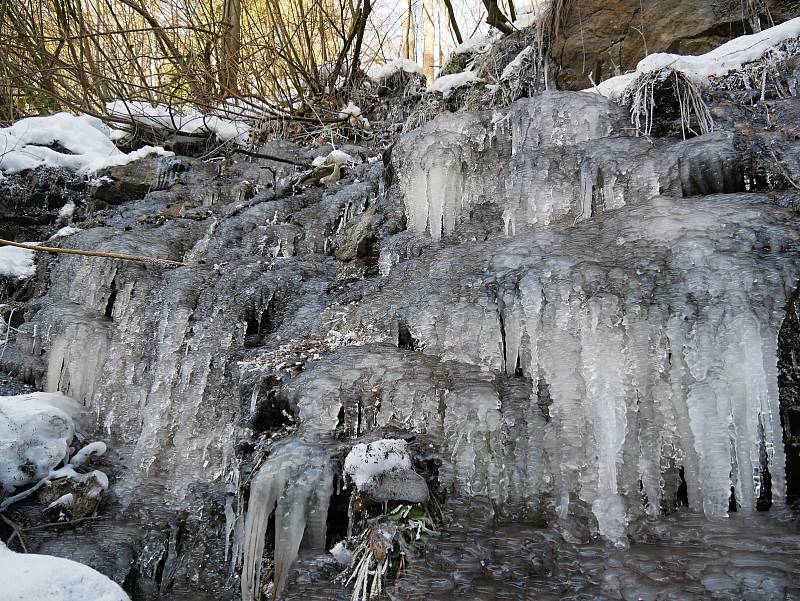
16 262
64 232
380 73
186 120
27 576
477 44
334 157
86 140
514 66
366 461
447 83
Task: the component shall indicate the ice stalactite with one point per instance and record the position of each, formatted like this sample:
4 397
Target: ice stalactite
296 482
555 158
651 333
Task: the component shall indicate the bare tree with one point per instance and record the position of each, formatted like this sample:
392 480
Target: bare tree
231 46
429 40
453 22
409 33
496 18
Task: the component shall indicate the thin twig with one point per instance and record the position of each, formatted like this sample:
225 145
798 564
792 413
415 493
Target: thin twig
17 531
65 523
93 253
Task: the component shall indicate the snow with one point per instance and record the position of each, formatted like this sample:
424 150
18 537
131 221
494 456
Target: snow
334 157
447 83
341 554
66 212
24 145
717 63
351 110
16 262
35 432
29 577
64 232
477 44
185 120
514 66
94 449
380 73
367 461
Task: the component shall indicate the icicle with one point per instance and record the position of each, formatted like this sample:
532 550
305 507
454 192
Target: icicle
296 474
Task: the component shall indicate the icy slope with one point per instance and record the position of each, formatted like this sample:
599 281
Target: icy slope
651 332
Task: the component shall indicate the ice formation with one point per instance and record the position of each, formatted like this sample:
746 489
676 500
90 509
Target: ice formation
27 576
554 158
35 433
580 324
24 145
649 336
296 481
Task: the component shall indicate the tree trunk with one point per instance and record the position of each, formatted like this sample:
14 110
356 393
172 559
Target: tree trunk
429 30
453 23
362 27
409 34
496 18
231 47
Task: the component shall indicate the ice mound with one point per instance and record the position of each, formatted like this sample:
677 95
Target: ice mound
649 341
561 157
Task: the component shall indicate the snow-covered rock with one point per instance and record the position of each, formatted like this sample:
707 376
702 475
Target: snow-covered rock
367 461
31 577
24 145
35 432
383 471
700 69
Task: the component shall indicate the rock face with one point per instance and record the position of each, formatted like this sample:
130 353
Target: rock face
610 37
568 324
